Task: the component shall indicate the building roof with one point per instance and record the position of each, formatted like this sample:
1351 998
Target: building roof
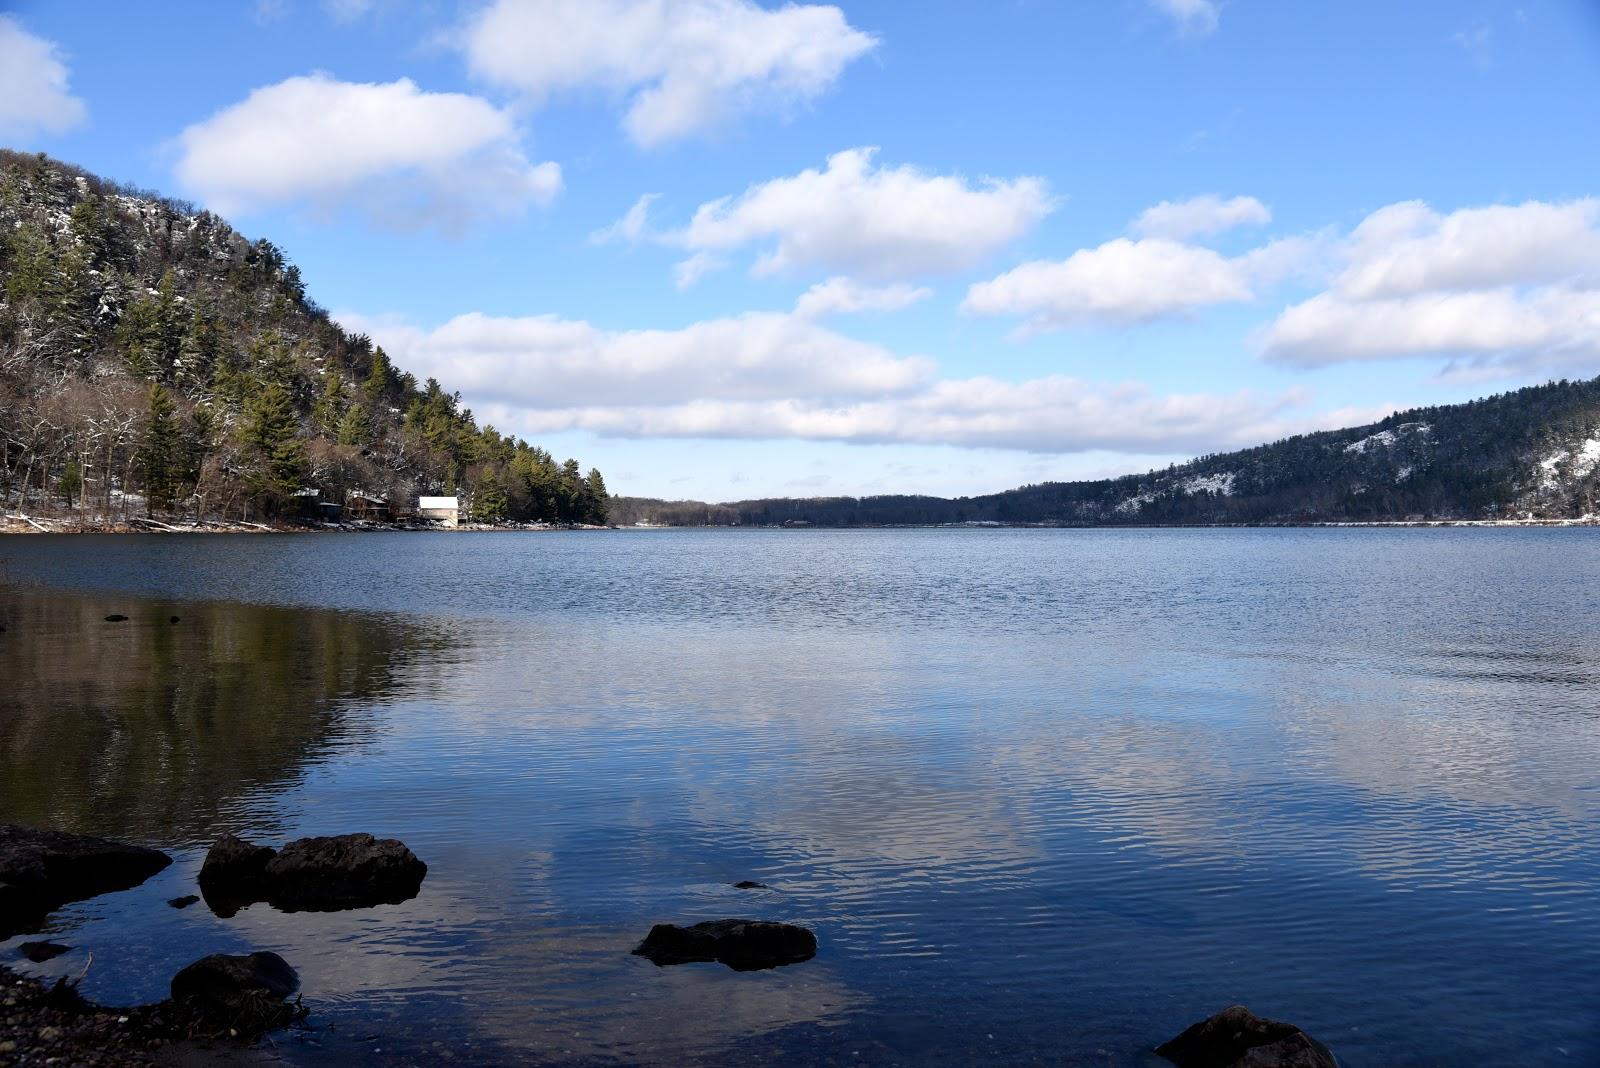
438 502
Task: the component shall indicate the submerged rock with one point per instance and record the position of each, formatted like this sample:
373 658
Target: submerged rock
43 870
182 902
743 945
750 884
39 952
116 617
229 992
1237 1038
311 874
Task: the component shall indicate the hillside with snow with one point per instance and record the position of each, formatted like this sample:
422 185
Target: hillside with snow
1531 454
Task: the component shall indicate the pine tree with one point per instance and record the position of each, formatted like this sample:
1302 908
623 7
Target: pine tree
160 450
597 506
271 434
354 427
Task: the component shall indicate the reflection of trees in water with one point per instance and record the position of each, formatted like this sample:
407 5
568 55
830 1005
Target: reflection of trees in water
149 729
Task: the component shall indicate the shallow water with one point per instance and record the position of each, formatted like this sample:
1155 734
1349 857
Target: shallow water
1044 795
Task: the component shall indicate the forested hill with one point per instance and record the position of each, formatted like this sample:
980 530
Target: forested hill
1533 453
154 361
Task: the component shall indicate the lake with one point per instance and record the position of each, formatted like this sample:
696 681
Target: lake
1045 796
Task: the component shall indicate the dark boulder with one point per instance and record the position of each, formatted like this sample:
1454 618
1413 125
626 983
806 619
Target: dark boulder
116 618
182 902
750 884
342 872
743 945
1237 1038
234 867
243 993
43 870
39 952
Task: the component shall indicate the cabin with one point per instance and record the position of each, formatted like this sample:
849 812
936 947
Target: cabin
309 505
443 510
366 507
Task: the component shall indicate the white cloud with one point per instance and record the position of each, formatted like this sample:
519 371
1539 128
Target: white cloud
1191 16
1200 217
1409 248
1055 414
1121 282
687 273
683 66
875 222
546 362
770 376
34 92
406 157
1550 327
1506 286
632 227
840 294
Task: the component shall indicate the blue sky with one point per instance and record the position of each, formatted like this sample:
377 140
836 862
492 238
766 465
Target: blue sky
1367 206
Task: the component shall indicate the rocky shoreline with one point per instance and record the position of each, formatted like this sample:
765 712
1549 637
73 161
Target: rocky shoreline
237 999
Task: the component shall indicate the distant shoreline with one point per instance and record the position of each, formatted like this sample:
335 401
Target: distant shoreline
37 525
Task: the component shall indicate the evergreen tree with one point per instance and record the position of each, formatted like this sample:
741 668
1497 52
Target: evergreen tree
596 500
160 450
270 433
71 483
354 426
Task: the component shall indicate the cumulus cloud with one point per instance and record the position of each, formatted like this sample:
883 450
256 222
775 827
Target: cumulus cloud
766 376
682 66
1200 217
548 362
865 220
846 295
1120 282
34 92
1409 248
1191 16
406 157
1507 286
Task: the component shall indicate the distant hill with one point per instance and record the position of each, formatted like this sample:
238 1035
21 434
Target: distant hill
153 360
1533 453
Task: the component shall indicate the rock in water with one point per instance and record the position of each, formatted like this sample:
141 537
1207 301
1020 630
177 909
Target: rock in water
750 884
342 872
116 617
743 945
236 868
43 870
182 902
244 993
1237 1038
39 952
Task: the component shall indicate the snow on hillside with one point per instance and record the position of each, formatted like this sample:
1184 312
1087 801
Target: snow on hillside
1387 438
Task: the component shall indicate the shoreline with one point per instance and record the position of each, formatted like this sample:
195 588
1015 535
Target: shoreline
35 525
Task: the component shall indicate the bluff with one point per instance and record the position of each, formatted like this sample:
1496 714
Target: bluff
1529 454
154 361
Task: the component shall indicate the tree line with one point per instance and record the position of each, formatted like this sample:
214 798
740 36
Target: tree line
153 361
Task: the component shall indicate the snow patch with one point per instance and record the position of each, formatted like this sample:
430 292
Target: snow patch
1222 484
1387 438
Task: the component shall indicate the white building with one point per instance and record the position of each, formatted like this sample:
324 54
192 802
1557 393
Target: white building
445 510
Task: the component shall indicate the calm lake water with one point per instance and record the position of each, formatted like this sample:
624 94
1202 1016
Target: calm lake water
1045 796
